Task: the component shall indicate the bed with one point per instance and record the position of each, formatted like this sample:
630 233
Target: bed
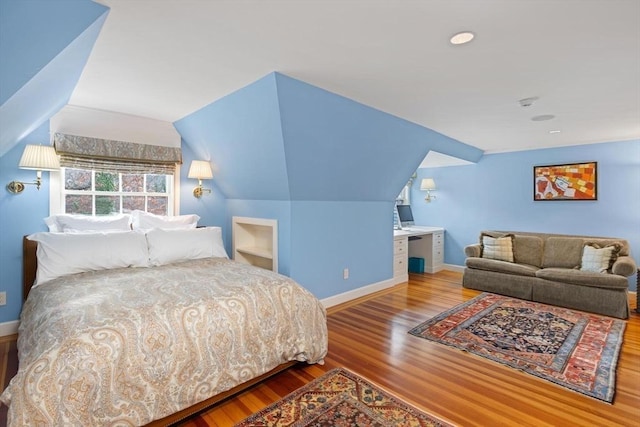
150 345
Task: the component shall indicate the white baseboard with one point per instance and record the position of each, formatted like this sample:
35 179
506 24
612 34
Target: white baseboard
454 267
375 287
9 328
357 293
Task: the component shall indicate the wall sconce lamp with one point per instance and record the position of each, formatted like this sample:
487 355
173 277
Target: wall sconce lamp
200 169
428 185
35 157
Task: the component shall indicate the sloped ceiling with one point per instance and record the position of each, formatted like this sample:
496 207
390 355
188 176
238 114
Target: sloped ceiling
166 59
283 139
44 46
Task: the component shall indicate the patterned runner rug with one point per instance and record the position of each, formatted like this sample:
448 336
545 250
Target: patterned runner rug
339 398
574 349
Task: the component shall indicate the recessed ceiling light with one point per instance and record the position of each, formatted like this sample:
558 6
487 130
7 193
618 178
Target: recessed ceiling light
462 37
543 117
554 131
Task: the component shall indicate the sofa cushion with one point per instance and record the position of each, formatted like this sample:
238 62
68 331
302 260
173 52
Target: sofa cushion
528 250
598 259
624 266
474 250
501 266
562 252
585 278
498 248
602 242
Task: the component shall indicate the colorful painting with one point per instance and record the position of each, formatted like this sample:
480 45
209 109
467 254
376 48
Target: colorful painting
575 181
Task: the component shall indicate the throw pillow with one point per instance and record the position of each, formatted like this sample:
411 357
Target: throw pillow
498 248
599 259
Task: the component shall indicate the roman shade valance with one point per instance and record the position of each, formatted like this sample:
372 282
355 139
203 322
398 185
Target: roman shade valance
83 152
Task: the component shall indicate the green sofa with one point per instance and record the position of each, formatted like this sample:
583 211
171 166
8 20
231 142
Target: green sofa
546 269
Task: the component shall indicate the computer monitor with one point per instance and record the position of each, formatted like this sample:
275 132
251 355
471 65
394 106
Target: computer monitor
405 215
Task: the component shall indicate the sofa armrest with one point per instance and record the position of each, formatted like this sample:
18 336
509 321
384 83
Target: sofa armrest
624 266
473 250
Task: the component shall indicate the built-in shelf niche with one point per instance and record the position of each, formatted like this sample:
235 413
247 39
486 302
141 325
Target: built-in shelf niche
255 241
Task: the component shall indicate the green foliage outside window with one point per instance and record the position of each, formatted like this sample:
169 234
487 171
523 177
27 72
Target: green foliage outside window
153 194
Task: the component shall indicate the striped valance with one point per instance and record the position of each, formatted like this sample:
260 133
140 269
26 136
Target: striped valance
83 152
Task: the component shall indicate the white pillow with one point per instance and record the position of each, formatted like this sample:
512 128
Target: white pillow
167 246
67 223
141 220
498 248
60 254
597 259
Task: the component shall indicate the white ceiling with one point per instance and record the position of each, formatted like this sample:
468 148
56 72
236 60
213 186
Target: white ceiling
166 59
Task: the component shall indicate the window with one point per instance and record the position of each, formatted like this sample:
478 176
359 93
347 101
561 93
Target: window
103 177
95 192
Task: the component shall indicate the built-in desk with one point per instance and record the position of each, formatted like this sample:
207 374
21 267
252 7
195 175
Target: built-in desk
421 242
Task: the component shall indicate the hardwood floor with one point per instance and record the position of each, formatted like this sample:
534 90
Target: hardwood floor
369 337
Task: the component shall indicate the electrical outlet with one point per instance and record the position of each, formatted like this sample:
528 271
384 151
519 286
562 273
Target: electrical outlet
3 298
345 273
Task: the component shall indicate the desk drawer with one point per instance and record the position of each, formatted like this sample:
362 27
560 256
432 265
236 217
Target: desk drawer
438 256
438 240
400 245
400 265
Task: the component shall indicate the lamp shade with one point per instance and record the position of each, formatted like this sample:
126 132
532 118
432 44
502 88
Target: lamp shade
427 184
39 157
200 169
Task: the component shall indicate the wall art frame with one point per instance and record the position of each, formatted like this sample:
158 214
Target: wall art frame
569 181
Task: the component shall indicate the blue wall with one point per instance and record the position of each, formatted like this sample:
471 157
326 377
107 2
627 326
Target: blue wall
44 46
340 150
34 32
326 167
327 237
242 135
20 215
497 193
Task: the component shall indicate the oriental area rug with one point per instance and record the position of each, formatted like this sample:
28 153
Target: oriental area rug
340 398
571 348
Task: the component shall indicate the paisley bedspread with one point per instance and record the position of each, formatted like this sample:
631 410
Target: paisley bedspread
127 346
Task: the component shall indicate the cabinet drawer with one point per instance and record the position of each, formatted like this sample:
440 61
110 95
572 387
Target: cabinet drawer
400 246
399 264
438 240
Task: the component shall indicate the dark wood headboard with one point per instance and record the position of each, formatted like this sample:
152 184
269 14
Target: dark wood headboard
29 265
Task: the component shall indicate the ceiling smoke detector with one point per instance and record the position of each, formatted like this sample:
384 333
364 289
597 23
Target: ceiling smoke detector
543 117
528 102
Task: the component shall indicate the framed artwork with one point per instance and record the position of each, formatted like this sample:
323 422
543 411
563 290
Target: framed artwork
573 181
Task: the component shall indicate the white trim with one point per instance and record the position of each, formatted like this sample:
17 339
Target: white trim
176 191
454 267
375 287
9 328
55 194
356 293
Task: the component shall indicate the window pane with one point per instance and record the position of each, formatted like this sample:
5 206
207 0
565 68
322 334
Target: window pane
156 183
133 183
77 179
106 181
157 205
107 205
84 192
130 203
76 204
